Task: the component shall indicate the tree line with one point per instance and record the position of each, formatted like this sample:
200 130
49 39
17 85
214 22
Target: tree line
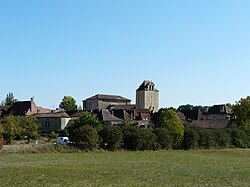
167 132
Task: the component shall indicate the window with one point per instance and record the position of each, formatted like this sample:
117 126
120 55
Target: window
47 124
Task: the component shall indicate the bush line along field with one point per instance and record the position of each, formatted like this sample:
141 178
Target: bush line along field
230 167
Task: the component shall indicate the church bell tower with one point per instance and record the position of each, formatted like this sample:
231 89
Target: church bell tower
147 96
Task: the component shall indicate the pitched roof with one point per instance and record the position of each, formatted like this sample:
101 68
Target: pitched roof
23 108
108 97
121 107
210 124
192 114
3 109
219 109
53 115
43 110
147 85
142 114
75 113
105 115
122 114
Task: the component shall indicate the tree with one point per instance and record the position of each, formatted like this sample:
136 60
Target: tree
1 128
68 103
191 107
191 138
19 127
9 128
239 138
86 137
30 127
10 100
168 119
1 142
185 107
111 136
163 138
241 114
86 118
136 138
1 136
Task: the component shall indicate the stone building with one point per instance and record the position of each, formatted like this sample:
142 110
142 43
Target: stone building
218 112
147 96
25 108
53 121
101 101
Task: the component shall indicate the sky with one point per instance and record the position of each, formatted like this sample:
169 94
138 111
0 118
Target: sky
196 52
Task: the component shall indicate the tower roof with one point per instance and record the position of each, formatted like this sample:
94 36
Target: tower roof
147 85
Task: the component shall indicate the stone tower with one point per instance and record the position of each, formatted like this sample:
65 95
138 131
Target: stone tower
147 96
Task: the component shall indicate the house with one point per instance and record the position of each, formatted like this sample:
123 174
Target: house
101 101
25 108
190 115
218 112
217 116
53 121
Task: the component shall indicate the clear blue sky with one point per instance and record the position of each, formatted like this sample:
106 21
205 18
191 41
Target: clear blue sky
195 51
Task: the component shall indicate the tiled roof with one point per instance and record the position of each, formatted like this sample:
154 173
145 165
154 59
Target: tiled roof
192 114
121 107
53 115
219 109
122 114
105 115
108 97
43 110
23 107
210 124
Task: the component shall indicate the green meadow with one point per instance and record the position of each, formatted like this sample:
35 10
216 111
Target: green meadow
229 167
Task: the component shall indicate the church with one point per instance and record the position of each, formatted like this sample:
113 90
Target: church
147 97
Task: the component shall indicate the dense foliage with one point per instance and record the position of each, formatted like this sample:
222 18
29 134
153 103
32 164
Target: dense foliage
86 118
164 139
199 138
68 103
1 142
136 138
168 119
86 137
19 127
111 137
9 100
241 114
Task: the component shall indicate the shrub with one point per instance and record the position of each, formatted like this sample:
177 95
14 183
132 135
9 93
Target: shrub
164 139
239 138
52 135
191 138
207 138
86 137
1 142
136 138
86 118
111 136
222 138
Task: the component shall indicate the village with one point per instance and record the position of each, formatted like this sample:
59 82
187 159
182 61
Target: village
116 109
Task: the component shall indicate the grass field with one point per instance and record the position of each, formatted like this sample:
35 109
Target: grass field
149 168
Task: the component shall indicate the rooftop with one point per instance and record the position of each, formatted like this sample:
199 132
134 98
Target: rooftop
108 97
147 85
